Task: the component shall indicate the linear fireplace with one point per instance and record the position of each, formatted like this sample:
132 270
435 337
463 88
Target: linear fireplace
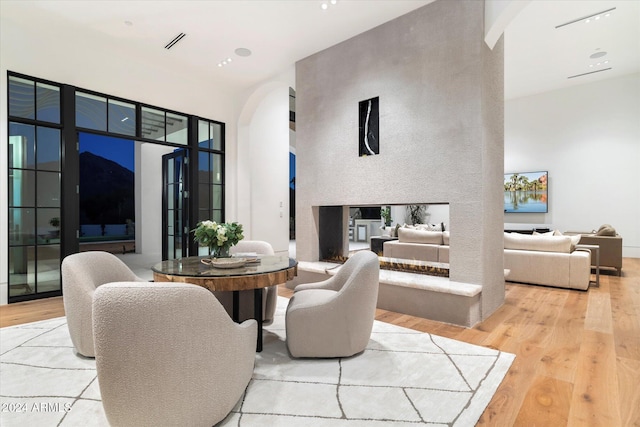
331 232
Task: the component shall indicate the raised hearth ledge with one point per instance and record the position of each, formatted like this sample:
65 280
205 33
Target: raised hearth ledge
401 278
430 297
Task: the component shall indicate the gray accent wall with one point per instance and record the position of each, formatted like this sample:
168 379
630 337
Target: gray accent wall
441 132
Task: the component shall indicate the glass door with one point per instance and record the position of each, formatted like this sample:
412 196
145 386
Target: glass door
175 206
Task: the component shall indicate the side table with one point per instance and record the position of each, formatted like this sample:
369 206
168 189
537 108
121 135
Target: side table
592 249
377 243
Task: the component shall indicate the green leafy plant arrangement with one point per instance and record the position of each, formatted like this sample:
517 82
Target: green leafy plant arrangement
217 237
385 213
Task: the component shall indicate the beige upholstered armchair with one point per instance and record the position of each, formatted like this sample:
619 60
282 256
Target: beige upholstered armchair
269 295
167 354
334 318
82 273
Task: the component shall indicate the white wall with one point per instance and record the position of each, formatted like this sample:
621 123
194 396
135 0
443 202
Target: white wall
60 55
262 167
149 197
588 138
269 157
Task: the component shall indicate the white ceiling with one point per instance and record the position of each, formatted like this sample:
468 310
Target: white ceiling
538 57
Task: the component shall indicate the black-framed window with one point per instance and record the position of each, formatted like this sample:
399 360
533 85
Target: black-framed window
34 181
45 119
162 125
34 99
210 170
105 114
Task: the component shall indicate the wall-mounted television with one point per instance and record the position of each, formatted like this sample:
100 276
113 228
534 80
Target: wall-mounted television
526 192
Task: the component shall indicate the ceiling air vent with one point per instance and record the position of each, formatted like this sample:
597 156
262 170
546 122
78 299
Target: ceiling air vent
175 40
589 18
590 72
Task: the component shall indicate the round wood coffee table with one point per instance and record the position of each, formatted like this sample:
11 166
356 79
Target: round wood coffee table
269 270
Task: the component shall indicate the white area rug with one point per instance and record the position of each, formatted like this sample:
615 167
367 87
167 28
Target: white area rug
404 378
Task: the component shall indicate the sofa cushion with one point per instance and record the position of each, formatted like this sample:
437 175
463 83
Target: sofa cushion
574 241
408 235
445 237
527 242
443 254
548 268
404 250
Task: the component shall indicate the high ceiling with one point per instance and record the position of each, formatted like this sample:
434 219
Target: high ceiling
538 57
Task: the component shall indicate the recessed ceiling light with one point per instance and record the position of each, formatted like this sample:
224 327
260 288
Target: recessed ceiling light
243 51
587 19
597 64
224 62
324 5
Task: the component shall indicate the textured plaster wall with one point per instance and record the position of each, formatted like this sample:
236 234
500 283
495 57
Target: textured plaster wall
441 132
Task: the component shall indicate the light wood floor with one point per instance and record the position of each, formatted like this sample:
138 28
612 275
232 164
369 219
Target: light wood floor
577 353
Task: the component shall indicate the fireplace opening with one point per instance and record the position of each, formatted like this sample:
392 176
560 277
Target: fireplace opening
340 233
331 232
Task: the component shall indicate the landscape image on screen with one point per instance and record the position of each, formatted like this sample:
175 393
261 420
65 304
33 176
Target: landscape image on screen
526 192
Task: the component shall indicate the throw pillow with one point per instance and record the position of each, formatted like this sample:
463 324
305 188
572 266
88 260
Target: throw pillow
548 233
606 230
429 227
574 241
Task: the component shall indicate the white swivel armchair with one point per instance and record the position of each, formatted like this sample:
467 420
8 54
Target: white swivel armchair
334 318
82 273
167 354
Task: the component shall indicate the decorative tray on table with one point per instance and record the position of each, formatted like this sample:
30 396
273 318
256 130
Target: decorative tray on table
236 261
225 262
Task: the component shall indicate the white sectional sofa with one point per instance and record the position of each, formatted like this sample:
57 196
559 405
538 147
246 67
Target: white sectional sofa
546 260
537 259
420 244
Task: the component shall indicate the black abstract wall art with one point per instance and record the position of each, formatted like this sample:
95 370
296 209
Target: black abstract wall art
369 127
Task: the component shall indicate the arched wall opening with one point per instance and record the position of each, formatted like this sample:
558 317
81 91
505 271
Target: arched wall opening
262 173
